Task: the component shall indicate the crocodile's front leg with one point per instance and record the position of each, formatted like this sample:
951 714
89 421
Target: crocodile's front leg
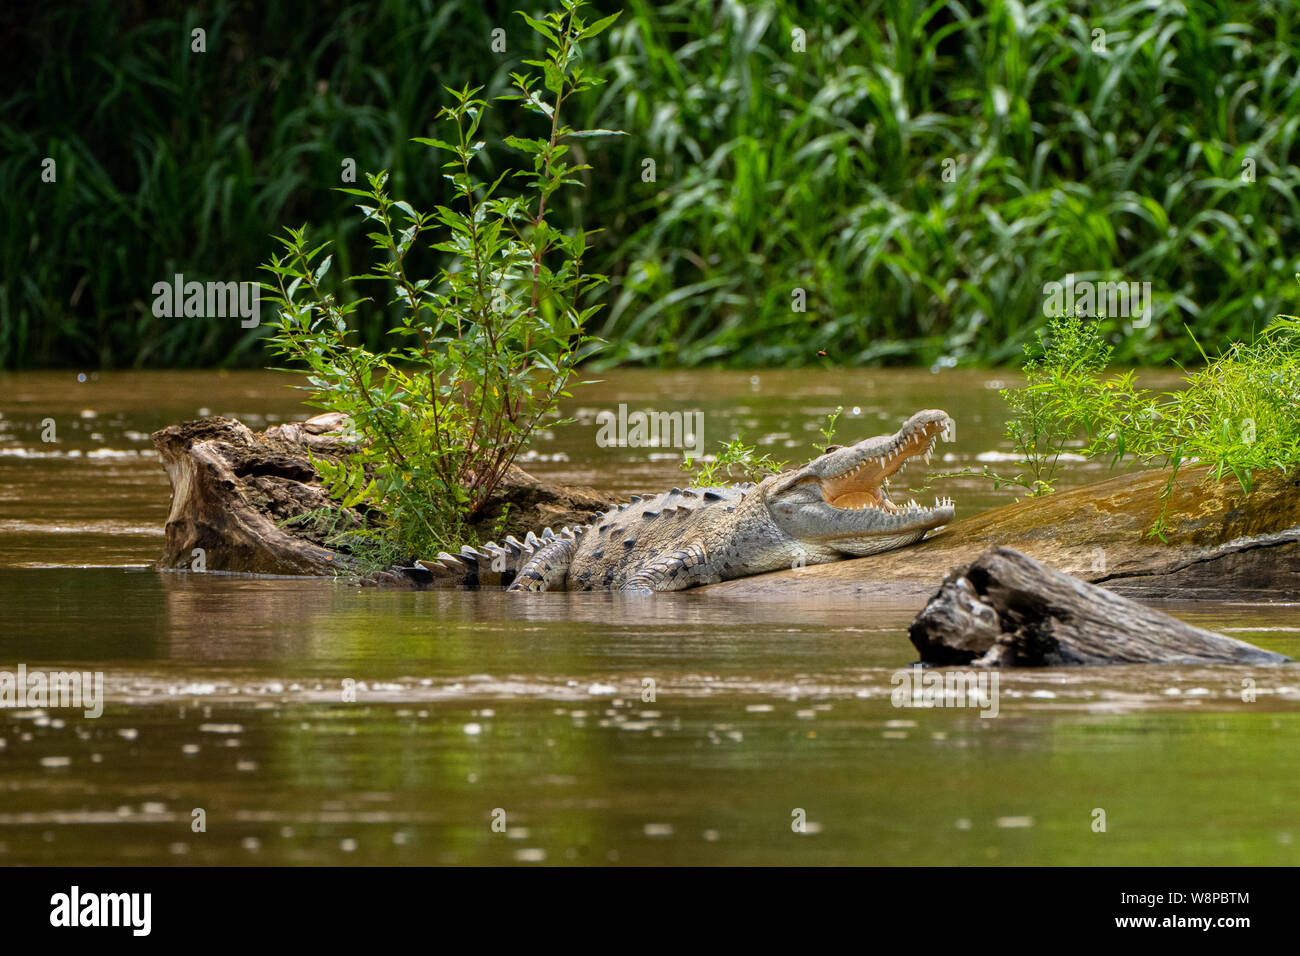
673 571
548 569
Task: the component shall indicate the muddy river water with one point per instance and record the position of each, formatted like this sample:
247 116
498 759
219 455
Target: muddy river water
274 721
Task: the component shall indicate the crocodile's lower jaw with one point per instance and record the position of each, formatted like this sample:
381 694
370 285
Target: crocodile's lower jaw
879 543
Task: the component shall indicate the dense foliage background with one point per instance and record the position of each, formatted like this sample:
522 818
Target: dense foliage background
774 169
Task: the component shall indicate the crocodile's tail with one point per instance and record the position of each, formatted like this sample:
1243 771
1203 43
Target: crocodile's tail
493 565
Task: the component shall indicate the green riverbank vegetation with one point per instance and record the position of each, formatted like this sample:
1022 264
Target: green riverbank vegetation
920 170
1236 413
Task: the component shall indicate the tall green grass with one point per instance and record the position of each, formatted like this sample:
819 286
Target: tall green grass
824 171
775 170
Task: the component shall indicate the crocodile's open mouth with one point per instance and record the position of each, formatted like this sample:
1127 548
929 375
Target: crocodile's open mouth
865 485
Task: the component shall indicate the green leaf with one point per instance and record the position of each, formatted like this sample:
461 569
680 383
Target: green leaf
599 27
435 143
554 77
526 145
359 495
539 27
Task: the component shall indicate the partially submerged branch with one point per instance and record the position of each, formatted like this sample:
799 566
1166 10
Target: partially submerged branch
1007 610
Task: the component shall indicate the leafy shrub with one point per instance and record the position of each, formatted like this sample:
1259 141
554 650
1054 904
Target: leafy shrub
1236 414
484 350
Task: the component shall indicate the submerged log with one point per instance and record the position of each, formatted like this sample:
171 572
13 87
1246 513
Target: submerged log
253 502
1007 610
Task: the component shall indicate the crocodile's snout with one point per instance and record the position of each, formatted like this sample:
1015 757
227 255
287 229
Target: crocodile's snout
856 478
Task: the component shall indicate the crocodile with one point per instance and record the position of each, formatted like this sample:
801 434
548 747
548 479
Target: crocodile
834 507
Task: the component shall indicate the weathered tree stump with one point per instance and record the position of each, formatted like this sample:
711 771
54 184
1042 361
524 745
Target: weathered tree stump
243 501
232 490
1007 610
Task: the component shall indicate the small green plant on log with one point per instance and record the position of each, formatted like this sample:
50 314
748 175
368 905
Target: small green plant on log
1058 401
484 349
736 460
1236 414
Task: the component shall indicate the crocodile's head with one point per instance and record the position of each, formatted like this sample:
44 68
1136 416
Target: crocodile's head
840 501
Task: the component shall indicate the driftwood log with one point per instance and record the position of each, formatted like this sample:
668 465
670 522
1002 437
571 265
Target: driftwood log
1007 610
243 501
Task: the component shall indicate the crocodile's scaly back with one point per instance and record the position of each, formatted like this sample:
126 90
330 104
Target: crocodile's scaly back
627 540
835 506
547 554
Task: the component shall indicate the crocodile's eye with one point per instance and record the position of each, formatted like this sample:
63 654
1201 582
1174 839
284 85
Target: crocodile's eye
792 480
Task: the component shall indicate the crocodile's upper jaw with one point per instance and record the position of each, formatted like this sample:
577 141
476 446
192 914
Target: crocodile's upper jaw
840 500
